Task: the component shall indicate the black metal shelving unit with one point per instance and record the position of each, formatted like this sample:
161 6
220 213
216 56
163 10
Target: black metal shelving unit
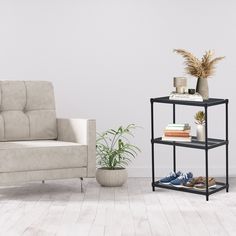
207 145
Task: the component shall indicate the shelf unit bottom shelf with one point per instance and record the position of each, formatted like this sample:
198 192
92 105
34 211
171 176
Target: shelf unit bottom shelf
219 186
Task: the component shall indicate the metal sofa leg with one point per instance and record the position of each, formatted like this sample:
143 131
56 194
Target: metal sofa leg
43 182
81 184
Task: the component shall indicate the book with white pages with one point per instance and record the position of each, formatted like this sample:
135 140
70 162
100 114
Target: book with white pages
178 127
178 124
177 139
186 97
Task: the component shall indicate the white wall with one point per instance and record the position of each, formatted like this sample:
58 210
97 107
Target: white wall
107 58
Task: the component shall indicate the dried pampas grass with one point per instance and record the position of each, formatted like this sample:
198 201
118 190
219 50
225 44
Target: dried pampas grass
203 68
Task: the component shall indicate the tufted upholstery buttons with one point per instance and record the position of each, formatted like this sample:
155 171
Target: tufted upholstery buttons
27 111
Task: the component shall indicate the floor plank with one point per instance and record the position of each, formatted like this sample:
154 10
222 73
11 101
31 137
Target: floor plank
59 208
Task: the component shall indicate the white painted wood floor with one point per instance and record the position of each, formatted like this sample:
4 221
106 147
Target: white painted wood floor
59 208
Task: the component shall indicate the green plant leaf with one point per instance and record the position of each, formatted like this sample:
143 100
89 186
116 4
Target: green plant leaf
113 148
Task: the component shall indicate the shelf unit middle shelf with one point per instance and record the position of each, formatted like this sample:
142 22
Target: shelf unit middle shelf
211 143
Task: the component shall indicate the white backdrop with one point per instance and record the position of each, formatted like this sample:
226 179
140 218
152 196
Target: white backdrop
107 58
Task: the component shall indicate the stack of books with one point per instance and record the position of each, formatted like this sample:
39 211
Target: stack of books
177 132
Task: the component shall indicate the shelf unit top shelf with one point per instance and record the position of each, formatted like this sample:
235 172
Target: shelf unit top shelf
212 143
209 102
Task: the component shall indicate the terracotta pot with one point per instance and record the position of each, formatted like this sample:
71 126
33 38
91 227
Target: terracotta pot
202 88
111 178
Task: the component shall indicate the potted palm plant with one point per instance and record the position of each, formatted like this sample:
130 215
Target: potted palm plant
114 153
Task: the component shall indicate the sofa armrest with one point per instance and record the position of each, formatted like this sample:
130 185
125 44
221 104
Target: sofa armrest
81 131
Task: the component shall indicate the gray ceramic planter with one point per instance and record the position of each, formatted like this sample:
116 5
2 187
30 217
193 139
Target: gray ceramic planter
111 178
202 88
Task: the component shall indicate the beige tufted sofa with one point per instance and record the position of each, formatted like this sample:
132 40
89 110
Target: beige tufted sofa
34 144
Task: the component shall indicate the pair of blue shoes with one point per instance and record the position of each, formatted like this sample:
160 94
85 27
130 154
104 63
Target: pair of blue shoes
178 179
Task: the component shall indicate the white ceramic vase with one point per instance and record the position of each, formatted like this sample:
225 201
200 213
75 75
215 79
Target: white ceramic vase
111 178
201 132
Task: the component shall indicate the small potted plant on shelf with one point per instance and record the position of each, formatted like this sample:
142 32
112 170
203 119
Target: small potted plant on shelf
200 121
114 153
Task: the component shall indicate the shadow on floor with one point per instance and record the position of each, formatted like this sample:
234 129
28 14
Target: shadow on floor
57 189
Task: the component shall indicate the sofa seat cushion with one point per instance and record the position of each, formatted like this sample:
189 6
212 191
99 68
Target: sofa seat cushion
41 155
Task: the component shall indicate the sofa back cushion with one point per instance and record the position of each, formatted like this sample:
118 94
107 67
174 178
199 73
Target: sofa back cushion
27 111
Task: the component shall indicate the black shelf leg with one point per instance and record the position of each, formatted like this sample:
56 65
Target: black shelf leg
227 146
174 147
152 144
206 153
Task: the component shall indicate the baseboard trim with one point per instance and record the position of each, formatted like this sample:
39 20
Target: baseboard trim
146 171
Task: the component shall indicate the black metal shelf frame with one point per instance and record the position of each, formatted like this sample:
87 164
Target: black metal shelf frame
207 145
